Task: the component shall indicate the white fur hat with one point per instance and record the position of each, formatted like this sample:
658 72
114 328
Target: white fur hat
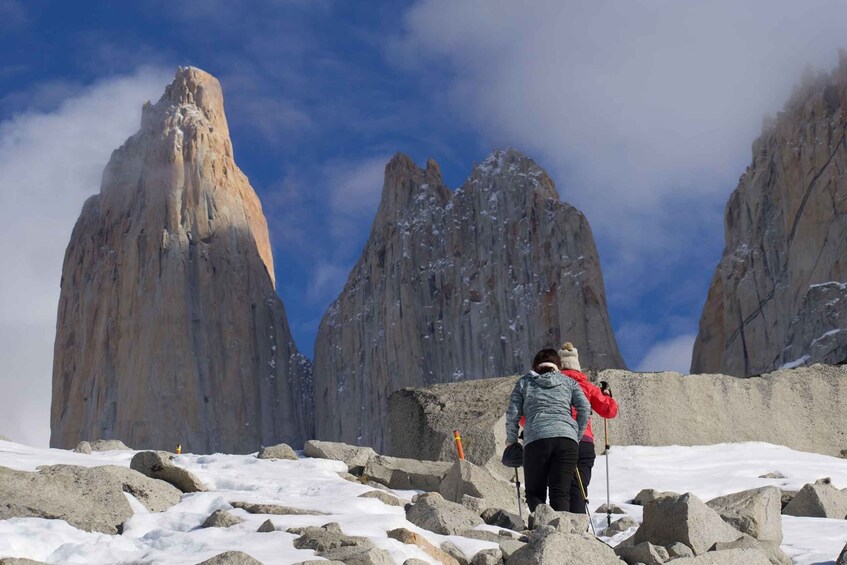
569 356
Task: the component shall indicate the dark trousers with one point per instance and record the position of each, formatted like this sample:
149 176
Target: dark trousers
584 465
549 464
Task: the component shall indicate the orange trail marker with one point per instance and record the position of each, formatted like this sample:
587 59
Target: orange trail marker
458 439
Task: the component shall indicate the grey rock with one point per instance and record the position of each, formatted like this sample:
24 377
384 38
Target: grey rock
492 556
772 475
275 509
88 498
482 535
818 500
644 552
786 496
570 523
415 561
384 497
755 512
503 519
19 560
509 546
466 478
431 512
619 525
649 495
609 509
556 548
319 562
153 345
769 549
83 447
677 549
221 519
542 516
409 537
784 225
726 557
500 256
451 549
280 451
474 504
231 558
266 527
109 445
356 457
401 473
360 555
159 465
326 538
684 519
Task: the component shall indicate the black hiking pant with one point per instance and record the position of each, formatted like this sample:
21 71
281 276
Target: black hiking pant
584 464
549 463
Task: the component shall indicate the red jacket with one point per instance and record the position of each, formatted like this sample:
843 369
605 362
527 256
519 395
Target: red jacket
604 405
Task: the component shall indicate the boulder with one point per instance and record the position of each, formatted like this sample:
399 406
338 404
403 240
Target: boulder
726 557
384 497
609 509
409 537
769 549
159 465
649 495
18 560
466 478
453 551
556 548
491 556
818 500
109 445
231 558
684 519
266 527
280 451
483 535
644 552
83 447
619 525
503 519
509 546
676 550
754 512
329 542
406 474
275 509
565 522
415 561
88 498
355 457
221 519
431 512
542 516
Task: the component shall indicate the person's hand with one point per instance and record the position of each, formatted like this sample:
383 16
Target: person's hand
605 389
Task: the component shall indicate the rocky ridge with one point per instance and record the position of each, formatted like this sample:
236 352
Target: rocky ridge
456 286
779 294
169 327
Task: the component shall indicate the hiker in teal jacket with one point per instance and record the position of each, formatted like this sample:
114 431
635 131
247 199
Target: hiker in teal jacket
551 435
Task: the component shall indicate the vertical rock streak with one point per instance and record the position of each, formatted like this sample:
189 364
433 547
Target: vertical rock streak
777 296
169 328
456 286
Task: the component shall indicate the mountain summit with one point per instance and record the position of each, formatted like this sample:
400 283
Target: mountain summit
455 286
169 329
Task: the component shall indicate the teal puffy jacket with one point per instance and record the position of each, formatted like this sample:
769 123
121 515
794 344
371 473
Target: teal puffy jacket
546 401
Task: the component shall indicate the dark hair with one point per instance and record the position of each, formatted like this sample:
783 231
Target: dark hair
546 355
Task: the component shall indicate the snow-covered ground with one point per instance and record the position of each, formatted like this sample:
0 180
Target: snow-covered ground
175 536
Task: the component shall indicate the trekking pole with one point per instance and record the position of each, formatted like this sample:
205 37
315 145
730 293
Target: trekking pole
608 495
518 488
585 498
458 439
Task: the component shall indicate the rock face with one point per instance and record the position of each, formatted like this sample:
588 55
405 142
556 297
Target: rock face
778 295
457 286
655 409
169 328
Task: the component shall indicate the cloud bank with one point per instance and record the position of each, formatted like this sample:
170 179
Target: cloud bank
50 162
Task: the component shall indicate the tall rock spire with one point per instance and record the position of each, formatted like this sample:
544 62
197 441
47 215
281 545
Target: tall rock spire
455 286
169 329
779 294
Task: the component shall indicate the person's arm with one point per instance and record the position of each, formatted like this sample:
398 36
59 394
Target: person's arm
605 406
514 412
583 409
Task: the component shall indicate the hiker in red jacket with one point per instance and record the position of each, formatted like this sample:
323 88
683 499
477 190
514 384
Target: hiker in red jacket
603 404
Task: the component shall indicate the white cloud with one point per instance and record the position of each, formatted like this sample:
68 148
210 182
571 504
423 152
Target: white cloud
50 162
354 192
643 110
670 355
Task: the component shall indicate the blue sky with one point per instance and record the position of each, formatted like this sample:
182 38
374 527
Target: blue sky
642 112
